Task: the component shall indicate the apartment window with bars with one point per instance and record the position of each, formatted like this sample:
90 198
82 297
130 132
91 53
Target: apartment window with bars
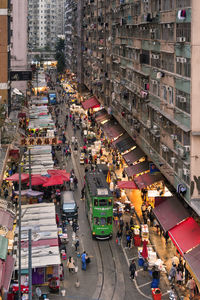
168 62
183 3
183 30
183 101
155 59
168 4
167 32
183 66
155 5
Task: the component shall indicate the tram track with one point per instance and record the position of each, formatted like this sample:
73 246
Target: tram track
107 286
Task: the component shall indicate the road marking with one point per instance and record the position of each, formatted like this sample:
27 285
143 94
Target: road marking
136 285
145 284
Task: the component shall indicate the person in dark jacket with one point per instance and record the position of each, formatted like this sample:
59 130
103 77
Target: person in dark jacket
132 269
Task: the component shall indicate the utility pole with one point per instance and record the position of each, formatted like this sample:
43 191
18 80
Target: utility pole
29 160
30 264
19 237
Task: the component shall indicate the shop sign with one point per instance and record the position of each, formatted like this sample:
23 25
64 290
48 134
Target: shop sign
38 141
20 75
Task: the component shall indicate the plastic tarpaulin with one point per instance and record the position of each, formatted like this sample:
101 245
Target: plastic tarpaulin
6 219
126 185
15 177
170 212
90 103
185 235
193 260
112 129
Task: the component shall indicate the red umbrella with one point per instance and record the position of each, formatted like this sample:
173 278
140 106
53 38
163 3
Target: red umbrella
54 180
37 179
15 177
144 250
62 173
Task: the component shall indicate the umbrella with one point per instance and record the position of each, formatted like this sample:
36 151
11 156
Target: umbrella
62 173
15 177
144 250
54 180
37 179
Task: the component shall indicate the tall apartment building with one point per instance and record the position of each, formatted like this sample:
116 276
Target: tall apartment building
71 35
19 37
45 23
141 60
5 8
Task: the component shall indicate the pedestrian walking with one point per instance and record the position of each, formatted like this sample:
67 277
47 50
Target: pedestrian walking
76 245
83 193
75 182
119 237
191 286
172 273
132 270
128 240
121 224
83 259
70 264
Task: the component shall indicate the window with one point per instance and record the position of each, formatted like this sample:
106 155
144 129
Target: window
168 62
183 101
168 4
183 66
103 202
155 59
109 221
168 32
95 202
171 95
183 30
164 92
96 221
183 3
102 221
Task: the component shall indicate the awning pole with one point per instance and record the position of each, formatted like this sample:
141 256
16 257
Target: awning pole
19 238
30 264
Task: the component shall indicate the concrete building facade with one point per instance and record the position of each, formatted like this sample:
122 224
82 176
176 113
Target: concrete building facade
5 12
45 23
19 39
141 60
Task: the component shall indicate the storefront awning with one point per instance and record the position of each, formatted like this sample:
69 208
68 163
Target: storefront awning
170 212
90 103
112 129
101 116
3 247
133 156
126 185
119 139
145 180
137 169
125 145
185 235
193 260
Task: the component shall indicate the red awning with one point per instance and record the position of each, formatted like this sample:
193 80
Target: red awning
170 212
54 180
147 179
37 179
101 116
126 185
193 260
90 103
15 177
185 235
138 168
65 176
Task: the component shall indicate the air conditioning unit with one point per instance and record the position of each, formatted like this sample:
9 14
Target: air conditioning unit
186 171
154 82
148 124
152 30
165 148
156 56
181 99
169 88
173 160
181 152
169 26
155 127
181 39
183 60
146 1
174 137
178 59
187 148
